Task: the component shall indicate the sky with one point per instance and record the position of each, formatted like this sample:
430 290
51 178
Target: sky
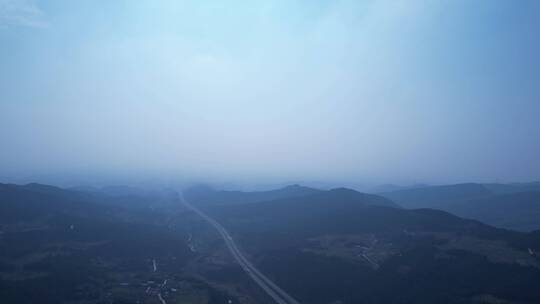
357 91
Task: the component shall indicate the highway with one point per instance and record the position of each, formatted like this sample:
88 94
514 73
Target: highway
276 293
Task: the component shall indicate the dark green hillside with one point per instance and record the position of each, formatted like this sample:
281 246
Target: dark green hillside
518 210
60 246
334 247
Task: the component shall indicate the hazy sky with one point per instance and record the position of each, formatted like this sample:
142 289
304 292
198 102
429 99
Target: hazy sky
379 91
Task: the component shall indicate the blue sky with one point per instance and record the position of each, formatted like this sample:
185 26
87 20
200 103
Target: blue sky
366 91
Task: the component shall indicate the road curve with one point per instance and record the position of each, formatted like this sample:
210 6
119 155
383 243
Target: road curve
274 291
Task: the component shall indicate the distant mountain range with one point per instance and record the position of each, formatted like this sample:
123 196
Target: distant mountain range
512 206
392 187
207 195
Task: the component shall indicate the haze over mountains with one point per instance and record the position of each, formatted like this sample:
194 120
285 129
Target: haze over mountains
369 92
513 206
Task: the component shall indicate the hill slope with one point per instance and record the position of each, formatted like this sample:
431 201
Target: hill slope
203 195
436 196
335 247
512 206
60 246
517 211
